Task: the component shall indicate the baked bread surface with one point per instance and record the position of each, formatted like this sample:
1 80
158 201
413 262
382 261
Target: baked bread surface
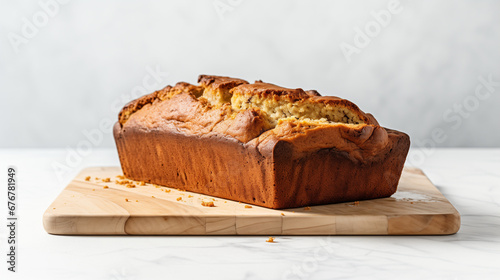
258 143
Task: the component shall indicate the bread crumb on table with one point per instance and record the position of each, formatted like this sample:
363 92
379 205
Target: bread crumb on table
87 178
307 208
93 189
179 198
106 180
270 239
248 206
136 200
282 214
126 199
130 186
142 183
105 187
153 196
120 177
97 178
208 204
189 196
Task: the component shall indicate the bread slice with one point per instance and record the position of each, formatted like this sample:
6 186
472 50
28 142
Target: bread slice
258 143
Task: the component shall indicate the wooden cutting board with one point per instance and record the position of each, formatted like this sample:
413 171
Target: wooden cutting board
89 208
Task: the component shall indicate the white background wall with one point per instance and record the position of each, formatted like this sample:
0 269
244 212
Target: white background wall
90 57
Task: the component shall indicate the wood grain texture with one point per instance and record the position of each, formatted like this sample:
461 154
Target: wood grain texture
87 208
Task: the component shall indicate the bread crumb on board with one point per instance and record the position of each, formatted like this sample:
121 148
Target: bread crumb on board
208 204
120 177
142 183
126 199
179 198
189 196
282 214
105 187
123 182
270 239
87 178
130 186
106 180
153 196
248 206
136 200
307 208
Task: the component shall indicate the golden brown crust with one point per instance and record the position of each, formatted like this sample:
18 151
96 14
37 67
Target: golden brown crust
244 121
258 143
219 82
267 90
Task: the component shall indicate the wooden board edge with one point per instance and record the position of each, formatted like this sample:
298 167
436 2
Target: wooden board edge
424 224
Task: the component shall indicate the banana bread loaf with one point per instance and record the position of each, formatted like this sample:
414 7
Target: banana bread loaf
258 143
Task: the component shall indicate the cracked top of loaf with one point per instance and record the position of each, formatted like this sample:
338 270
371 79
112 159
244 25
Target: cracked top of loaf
254 112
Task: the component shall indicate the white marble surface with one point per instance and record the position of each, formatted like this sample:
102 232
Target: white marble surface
469 178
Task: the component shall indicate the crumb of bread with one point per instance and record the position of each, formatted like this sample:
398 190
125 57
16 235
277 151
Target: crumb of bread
136 200
282 214
208 204
167 190
106 180
93 189
307 208
355 203
97 178
123 182
189 196
142 183
105 187
54 208
87 178
270 239
156 186
120 177
179 198
126 199
130 186
248 206
411 202
293 211
225 201
153 196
